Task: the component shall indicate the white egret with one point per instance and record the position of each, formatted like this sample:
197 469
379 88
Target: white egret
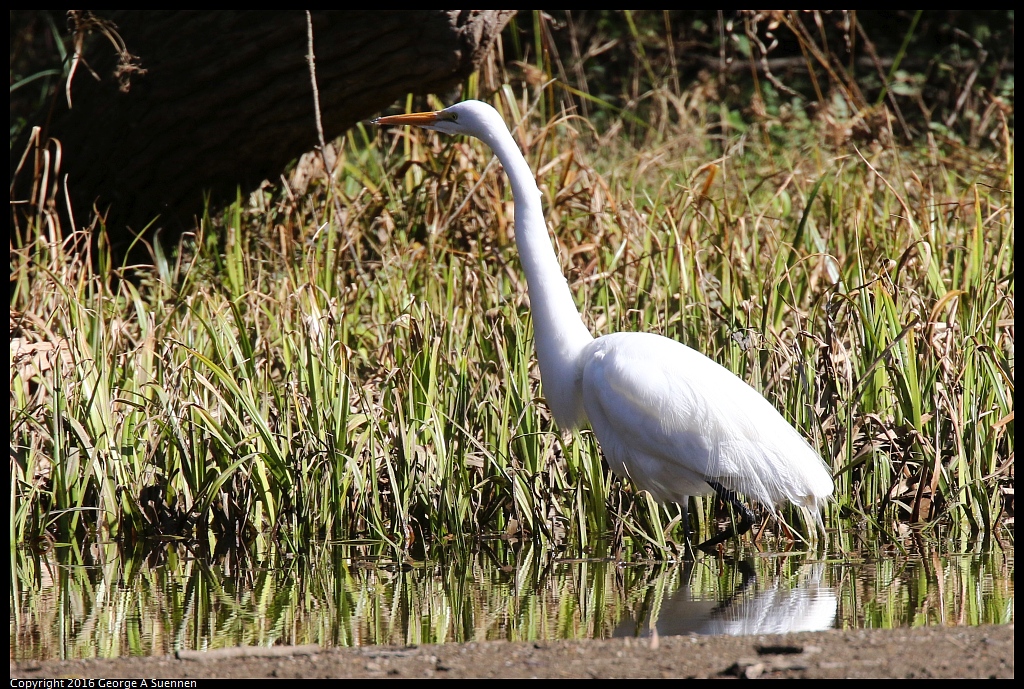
667 417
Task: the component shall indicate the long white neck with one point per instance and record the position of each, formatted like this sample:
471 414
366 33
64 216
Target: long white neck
558 329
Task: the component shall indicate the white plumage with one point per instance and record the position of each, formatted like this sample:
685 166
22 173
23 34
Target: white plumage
667 417
671 419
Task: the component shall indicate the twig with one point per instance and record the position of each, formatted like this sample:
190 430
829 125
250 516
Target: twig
249 652
311 59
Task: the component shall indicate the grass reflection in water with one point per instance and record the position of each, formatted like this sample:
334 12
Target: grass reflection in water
95 602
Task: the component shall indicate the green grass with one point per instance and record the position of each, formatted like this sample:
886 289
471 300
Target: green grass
357 361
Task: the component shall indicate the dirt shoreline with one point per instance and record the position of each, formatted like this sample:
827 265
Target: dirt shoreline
985 651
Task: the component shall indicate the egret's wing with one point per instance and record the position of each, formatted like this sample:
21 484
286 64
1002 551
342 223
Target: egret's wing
671 415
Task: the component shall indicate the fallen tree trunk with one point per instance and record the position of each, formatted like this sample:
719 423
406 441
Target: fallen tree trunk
197 103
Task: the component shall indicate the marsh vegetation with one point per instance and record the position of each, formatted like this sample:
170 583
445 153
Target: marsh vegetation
348 356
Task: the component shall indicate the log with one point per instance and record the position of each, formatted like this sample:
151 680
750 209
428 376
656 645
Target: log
204 103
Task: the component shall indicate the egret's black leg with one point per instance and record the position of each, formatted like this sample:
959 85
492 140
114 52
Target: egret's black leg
684 507
746 517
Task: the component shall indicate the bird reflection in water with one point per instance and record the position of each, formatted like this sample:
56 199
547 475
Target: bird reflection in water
778 605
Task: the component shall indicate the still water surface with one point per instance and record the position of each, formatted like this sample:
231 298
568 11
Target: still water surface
93 603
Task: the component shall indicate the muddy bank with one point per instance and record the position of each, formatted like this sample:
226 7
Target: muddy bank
985 651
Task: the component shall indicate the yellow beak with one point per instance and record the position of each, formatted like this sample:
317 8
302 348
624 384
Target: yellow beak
418 119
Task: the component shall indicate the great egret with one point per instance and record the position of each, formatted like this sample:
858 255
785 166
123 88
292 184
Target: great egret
667 417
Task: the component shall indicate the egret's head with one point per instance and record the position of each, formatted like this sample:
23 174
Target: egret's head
472 117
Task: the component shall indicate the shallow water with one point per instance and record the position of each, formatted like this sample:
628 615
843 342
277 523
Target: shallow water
71 604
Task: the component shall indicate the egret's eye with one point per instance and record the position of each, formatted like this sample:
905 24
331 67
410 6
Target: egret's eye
455 117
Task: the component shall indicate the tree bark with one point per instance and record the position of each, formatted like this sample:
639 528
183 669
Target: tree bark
216 100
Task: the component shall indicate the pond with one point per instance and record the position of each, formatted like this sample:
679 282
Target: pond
96 602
